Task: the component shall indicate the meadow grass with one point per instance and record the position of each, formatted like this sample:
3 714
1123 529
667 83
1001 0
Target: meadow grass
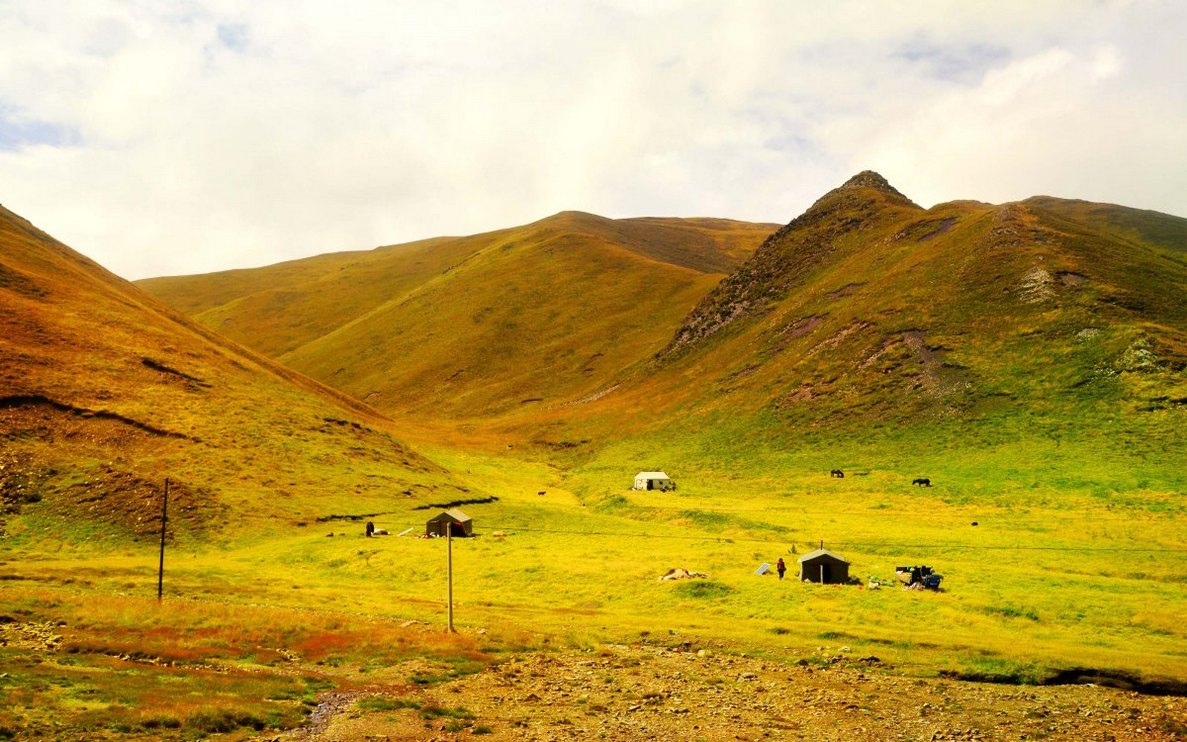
1052 574
184 668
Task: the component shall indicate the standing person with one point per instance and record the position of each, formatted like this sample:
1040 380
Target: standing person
780 567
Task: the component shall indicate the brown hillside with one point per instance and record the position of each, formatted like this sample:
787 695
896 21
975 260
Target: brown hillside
104 392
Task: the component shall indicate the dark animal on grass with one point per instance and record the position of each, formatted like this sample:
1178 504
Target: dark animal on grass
922 482
837 473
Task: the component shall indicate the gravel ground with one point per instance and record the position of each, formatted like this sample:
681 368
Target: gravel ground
643 692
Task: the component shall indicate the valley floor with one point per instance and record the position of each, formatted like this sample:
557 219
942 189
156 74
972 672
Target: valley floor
83 664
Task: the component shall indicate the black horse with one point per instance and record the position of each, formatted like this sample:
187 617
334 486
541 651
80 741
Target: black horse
922 482
837 473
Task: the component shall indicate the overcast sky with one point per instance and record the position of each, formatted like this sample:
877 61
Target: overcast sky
161 138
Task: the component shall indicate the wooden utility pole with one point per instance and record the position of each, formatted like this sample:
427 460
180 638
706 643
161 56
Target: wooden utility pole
449 572
164 517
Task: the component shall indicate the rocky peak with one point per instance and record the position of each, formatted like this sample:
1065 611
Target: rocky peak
872 180
857 189
864 202
869 179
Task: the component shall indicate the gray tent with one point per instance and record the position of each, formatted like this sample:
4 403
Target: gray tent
450 520
824 566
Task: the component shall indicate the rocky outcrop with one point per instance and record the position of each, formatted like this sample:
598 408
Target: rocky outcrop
860 205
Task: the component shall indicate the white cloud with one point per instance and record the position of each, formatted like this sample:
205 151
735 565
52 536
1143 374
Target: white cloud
169 138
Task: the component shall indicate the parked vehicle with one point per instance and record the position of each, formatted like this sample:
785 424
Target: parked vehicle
922 575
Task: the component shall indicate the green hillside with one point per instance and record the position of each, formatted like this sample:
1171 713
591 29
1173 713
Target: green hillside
1022 354
867 310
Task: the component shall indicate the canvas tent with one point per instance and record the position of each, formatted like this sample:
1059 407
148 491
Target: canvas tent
450 520
653 480
824 566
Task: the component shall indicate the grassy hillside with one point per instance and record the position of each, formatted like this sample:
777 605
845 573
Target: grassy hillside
481 325
104 393
1024 356
868 316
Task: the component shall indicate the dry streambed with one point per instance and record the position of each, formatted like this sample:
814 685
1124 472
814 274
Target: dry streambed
643 691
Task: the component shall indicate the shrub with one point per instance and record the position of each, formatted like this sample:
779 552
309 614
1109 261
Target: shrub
435 712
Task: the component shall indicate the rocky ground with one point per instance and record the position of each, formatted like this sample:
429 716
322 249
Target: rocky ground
642 691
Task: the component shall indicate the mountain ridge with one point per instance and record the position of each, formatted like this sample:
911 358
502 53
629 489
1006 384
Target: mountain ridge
518 301
923 311
865 309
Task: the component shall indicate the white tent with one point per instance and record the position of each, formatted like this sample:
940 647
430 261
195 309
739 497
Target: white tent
653 480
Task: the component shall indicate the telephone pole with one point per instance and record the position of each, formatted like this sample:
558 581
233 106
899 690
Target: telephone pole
164 517
449 573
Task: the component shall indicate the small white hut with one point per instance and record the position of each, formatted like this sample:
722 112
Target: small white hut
653 480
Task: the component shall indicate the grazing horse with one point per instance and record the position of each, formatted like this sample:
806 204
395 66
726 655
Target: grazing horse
837 473
922 482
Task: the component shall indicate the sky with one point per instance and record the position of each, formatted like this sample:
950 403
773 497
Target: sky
189 136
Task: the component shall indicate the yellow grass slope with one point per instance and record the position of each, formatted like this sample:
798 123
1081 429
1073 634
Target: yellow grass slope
537 315
104 392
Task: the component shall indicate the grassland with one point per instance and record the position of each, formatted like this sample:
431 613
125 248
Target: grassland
87 663
1053 575
1057 574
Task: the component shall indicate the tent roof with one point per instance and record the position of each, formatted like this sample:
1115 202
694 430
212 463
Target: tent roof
822 552
651 475
452 514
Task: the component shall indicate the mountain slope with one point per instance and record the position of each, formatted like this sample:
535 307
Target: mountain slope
789 256
104 392
866 315
479 325
1049 318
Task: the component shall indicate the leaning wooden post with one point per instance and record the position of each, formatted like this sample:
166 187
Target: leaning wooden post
161 567
449 572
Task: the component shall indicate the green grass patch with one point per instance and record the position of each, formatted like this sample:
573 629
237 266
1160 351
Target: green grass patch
438 712
1012 612
703 589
